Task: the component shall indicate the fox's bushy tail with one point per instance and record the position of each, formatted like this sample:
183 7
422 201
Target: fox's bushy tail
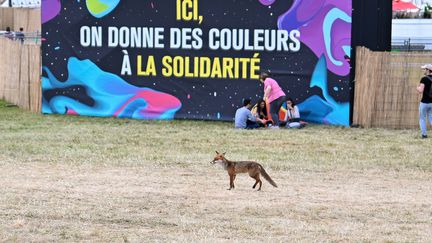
267 177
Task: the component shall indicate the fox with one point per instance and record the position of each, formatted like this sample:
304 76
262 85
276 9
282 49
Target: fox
234 167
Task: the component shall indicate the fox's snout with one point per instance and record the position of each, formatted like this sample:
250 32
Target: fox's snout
215 161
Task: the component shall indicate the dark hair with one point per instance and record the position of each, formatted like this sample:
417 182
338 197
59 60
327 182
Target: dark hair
246 102
21 29
292 101
265 74
8 29
263 110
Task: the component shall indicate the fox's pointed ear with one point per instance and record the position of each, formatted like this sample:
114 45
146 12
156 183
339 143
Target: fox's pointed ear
217 152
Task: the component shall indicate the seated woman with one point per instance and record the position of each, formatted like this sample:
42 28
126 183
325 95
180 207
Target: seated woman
292 116
260 111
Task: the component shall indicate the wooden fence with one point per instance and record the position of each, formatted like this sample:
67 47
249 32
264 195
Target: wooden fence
15 18
20 74
385 88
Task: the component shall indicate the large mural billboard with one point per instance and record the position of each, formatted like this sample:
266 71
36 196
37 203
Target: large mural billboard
194 59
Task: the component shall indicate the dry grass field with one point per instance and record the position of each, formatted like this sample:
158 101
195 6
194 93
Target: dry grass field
72 179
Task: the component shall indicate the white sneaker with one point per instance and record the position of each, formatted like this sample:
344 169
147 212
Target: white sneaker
274 127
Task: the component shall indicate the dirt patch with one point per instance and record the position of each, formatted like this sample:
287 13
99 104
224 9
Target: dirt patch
41 202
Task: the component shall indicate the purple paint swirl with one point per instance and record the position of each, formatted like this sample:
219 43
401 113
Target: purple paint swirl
325 27
50 9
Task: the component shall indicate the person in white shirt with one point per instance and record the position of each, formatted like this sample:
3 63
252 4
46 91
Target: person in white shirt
292 116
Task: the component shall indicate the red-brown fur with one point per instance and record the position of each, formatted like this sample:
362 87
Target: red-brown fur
253 168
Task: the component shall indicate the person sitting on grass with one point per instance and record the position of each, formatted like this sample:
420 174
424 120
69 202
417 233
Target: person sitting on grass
260 111
292 116
244 118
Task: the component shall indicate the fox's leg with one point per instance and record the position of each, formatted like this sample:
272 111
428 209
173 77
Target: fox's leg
234 176
231 182
257 180
253 176
253 187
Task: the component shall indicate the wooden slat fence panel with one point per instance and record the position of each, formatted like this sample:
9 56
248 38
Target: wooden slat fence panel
385 88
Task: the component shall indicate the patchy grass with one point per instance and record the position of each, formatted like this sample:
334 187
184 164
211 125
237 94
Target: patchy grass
68 178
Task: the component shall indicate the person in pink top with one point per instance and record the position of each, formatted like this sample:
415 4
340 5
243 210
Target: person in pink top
274 95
